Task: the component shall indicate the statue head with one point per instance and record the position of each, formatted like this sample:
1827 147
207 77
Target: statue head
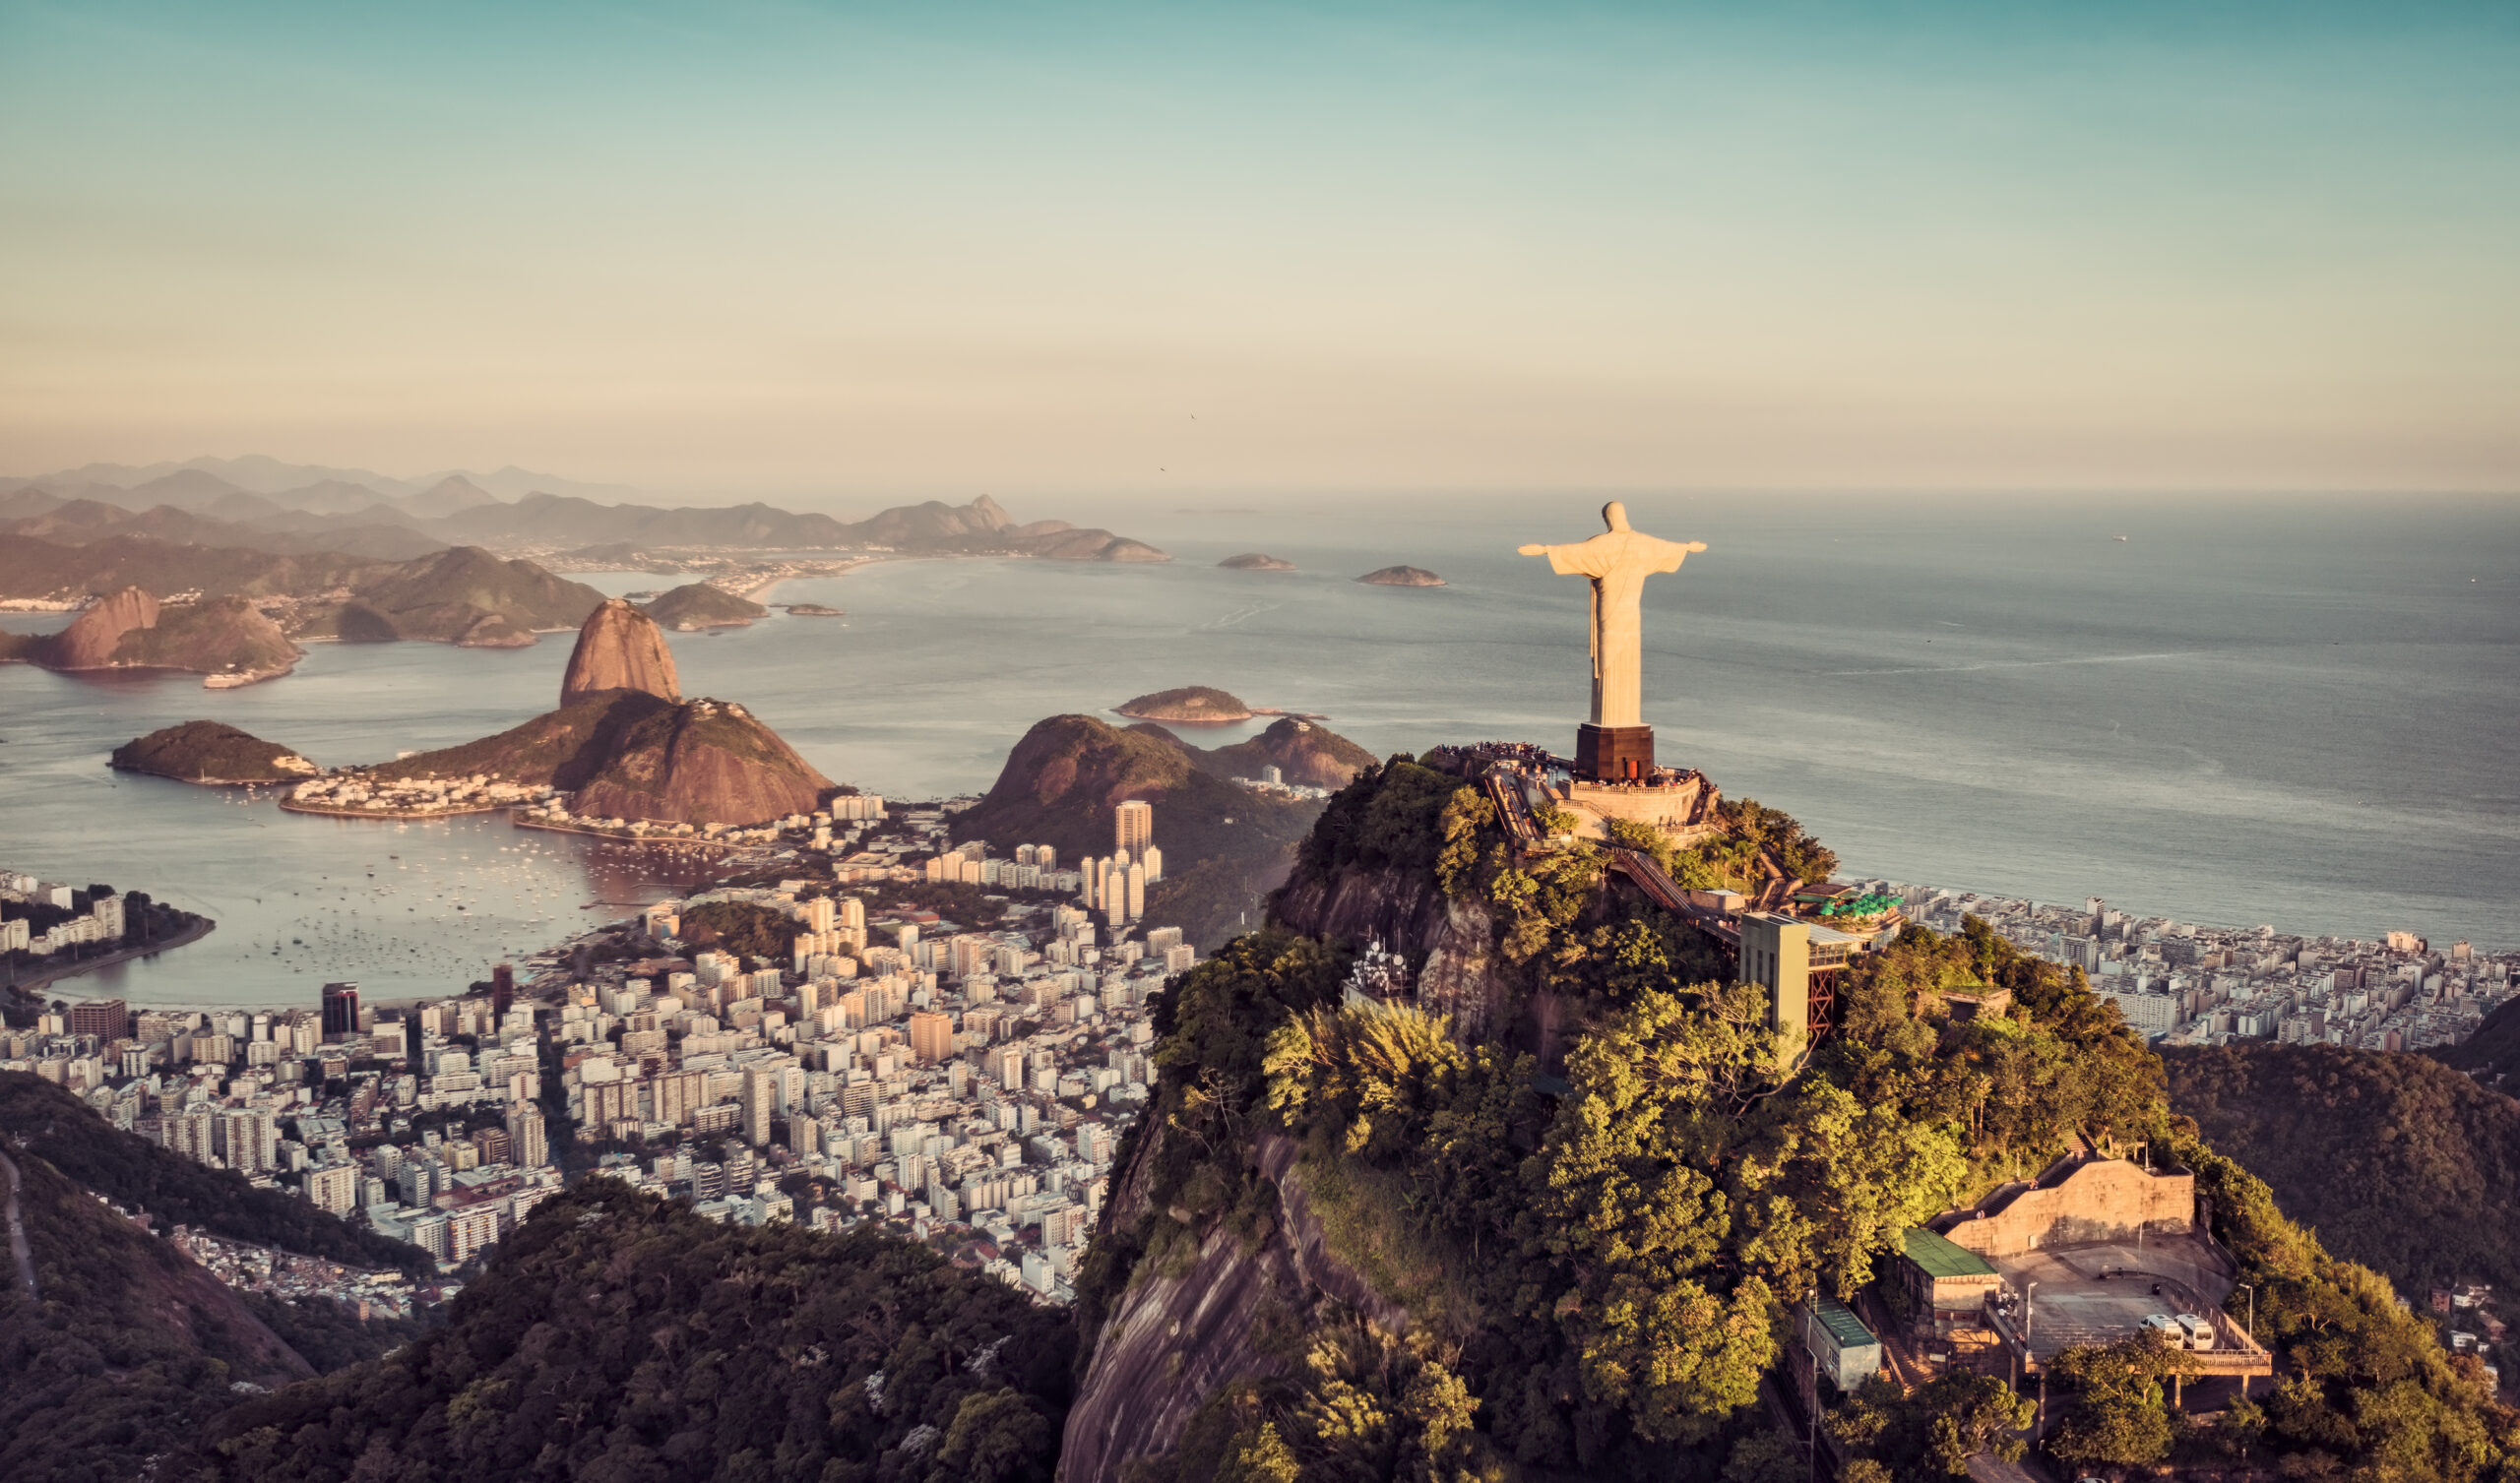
1614 515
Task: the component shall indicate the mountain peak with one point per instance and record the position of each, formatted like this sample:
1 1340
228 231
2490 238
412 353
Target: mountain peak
90 641
447 496
620 647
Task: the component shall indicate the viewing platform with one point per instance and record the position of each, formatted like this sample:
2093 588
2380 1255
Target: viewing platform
2096 1250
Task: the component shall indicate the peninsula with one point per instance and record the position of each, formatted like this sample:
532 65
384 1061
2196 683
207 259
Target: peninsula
624 752
227 640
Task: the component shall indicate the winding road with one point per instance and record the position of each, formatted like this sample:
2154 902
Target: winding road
18 1251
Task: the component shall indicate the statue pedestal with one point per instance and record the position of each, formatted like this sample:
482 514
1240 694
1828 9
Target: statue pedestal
1613 754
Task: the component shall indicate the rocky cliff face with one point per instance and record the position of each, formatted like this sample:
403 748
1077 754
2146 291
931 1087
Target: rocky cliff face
619 648
90 641
704 762
1171 1341
132 630
1453 941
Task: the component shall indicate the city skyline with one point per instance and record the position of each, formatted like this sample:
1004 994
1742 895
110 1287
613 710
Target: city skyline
792 253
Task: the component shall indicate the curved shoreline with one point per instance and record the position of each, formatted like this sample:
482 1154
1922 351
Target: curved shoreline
200 928
644 839
292 806
238 679
212 783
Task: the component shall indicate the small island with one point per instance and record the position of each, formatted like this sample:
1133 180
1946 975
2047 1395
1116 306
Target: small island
1254 561
814 610
1191 705
700 604
210 753
1401 577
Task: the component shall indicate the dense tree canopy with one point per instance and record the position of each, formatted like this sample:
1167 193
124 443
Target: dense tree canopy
741 928
126 1350
617 1335
139 1175
2397 1161
1602 1261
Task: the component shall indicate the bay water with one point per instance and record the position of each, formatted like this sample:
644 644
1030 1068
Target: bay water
2285 711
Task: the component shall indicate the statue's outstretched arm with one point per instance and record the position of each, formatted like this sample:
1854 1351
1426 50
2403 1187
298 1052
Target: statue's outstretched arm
1533 550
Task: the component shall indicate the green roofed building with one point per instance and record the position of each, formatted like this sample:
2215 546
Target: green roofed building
1846 1351
1946 1284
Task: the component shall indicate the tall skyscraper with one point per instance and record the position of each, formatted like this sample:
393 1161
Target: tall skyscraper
760 1103
1137 891
502 989
527 1143
931 1038
1133 826
248 1140
1154 860
341 1011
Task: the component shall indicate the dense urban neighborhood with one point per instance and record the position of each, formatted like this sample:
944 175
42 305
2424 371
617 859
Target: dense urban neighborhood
830 1063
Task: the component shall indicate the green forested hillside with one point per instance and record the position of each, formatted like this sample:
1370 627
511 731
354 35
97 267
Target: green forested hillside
1595 1275
1596 1279
621 1337
1570 1267
138 1175
2492 1054
331 1336
126 1349
2397 1161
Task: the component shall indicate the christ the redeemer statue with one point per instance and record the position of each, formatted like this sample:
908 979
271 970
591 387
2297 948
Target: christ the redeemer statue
1616 743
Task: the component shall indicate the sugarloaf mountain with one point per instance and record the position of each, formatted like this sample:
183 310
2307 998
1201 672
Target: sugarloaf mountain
626 745
619 648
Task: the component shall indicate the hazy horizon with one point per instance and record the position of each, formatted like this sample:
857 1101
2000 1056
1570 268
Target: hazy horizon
1097 502
772 251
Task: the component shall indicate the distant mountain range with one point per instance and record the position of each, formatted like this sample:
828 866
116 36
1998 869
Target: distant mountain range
462 594
257 473
262 504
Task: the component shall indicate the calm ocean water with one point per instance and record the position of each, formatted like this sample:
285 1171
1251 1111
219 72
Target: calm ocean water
2298 712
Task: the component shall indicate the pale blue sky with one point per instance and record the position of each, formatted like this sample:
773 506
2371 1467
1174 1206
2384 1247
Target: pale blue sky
790 249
